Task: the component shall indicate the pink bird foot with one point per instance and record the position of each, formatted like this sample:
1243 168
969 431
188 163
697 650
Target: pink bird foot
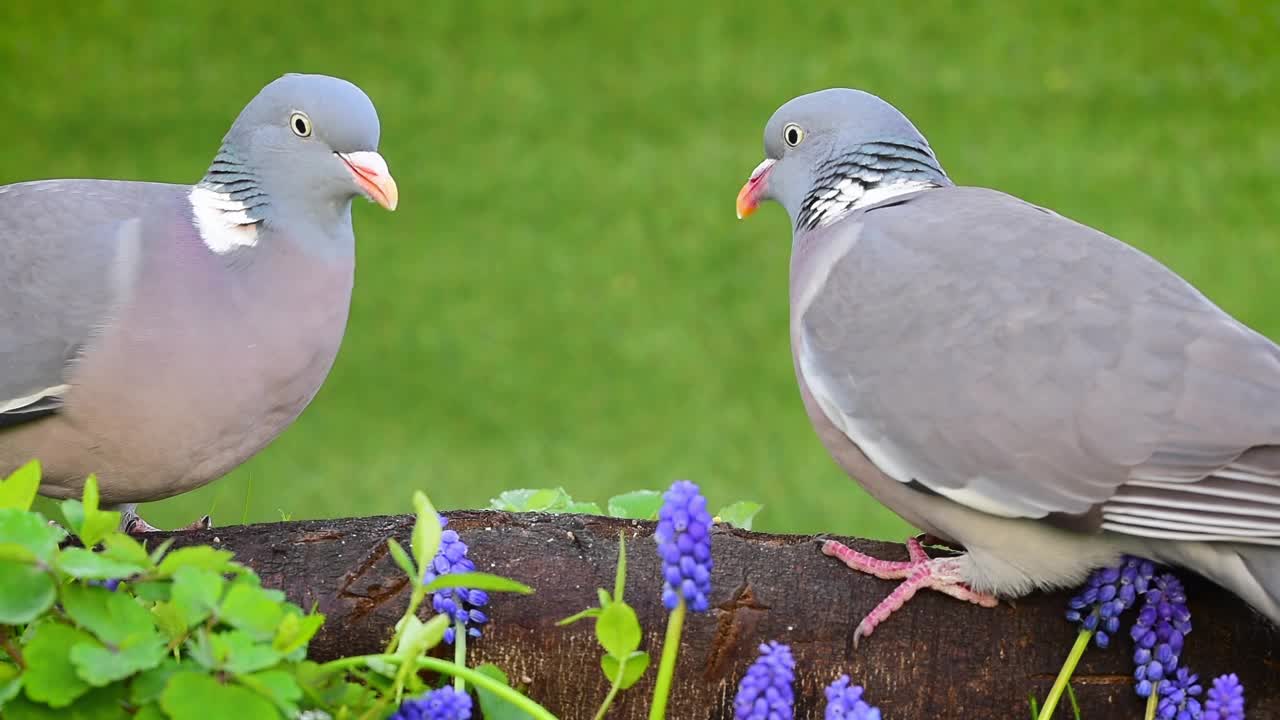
131 523
921 571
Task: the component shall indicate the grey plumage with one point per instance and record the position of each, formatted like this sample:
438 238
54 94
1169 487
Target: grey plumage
1029 387
158 335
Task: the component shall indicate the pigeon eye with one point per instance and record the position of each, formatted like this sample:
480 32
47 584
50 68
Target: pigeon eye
792 134
301 124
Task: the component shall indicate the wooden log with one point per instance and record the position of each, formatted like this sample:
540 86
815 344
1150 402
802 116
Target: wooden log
936 658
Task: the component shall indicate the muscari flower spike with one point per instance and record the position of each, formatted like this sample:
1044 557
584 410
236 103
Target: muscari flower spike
1107 594
461 604
1178 697
1225 699
765 692
1158 633
440 704
684 543
844 702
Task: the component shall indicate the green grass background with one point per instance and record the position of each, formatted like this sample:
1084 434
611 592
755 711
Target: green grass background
564 296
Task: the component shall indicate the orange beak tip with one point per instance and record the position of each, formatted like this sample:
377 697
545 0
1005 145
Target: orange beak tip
372 176
749 195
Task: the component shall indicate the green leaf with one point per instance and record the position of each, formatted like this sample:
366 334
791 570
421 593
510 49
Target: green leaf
150 712
637 663
196 591
147 686
98 704
534 500
252 609
170 621
99 665
122 548
26 592
492 705
195 696
426 533
152 590
382 667
584 508
739 514
115 617
278 686
402 559
618 629
15 553
620 575
50 677
239 653
94 524
418 637
588 613
636 505
89 565
10 682
18 490
31 531
203 557
295 632
478 581
159 551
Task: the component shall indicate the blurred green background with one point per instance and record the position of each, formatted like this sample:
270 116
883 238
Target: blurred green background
564 296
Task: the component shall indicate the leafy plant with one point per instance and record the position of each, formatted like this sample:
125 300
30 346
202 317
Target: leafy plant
107 628
126 632
618 632
634 505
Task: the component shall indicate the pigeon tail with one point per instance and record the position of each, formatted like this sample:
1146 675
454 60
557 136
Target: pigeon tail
1250 571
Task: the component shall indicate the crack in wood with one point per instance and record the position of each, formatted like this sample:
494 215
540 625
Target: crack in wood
738 617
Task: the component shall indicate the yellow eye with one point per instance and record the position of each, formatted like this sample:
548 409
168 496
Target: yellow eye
300 124
792 134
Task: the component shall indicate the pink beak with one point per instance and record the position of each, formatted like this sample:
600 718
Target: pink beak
373 177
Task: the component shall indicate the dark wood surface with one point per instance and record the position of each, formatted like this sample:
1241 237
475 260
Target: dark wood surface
935 658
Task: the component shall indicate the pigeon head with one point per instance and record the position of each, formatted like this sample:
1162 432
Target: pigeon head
833 151
301 150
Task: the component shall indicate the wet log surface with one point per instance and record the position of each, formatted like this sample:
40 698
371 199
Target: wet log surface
935 658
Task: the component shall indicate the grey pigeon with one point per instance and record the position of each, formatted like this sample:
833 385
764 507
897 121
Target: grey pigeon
159 335
1009 380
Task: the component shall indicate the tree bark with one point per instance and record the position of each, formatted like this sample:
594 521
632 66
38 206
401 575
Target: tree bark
937 657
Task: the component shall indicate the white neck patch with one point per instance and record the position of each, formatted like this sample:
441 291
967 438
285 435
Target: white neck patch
853 193
223 222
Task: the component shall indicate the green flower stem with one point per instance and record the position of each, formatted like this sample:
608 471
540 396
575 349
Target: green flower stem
1152 701
613 691
480 680
667 667
1064 675
459 654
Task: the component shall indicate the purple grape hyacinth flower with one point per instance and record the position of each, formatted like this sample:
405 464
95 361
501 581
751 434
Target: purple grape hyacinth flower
765 692
441 704
844 702
1107 594
1178 697
1158 633
461 604
1225 699
684 543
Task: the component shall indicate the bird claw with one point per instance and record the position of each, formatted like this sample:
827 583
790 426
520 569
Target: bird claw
132 524
920 571
203 523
